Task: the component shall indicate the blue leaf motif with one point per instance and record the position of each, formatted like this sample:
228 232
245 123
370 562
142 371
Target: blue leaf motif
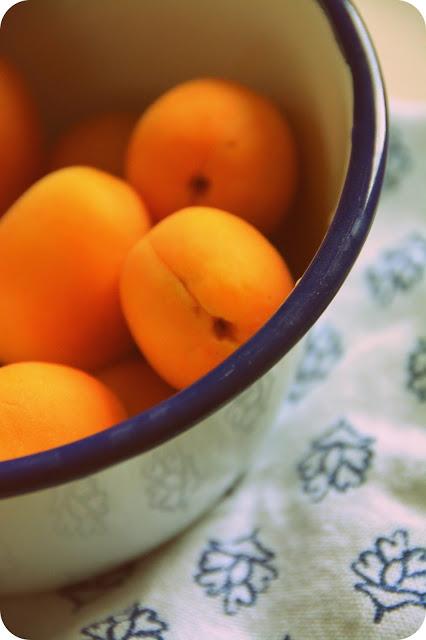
398 269
393 574
237 571
312 466
80 509
391 548
318 487
136 622
369 566
172 479
331 459
417 371
241 596
338 460
357 458
416 563
249 547
346 478
323 350
244 415
399 160
240 572
218 560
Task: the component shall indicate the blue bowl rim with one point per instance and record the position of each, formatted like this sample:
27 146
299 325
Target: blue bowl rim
313 293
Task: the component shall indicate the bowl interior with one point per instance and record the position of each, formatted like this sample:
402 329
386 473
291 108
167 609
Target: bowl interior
283 48
330 87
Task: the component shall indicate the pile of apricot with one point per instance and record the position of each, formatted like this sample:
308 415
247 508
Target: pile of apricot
135 252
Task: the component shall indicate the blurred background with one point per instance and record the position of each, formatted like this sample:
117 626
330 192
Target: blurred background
403 59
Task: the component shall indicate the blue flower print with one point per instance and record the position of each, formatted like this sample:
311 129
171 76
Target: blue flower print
237 571
80 510
399 160
393 574
338 460
171 478
245 414
417 371
89 591
324 348
136 622
398 270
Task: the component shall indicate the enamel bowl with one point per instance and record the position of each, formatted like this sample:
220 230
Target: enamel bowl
82 509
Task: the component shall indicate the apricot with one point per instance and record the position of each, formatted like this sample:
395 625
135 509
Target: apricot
43 406
136 384
100 141
62 246
214 143
21 148
197 287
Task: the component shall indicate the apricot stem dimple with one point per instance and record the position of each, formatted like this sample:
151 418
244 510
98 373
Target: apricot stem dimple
223 329
199 185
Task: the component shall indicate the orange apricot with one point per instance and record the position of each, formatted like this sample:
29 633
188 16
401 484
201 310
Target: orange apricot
99 142
43 406
62 246
136 384
20 136
197 287
218 144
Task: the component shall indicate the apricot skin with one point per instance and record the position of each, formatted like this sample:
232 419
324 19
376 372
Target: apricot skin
214 143
43 406
21 147
100 142
197 287
136 384
62 246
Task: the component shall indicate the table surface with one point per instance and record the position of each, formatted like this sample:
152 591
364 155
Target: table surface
399 34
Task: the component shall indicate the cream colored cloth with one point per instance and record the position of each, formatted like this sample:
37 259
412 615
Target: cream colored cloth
325 539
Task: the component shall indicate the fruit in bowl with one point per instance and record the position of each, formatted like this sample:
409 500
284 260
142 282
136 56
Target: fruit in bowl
154 474
98 141
136 384
62 245
215 143
21 137
44 406
197 287
81 273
